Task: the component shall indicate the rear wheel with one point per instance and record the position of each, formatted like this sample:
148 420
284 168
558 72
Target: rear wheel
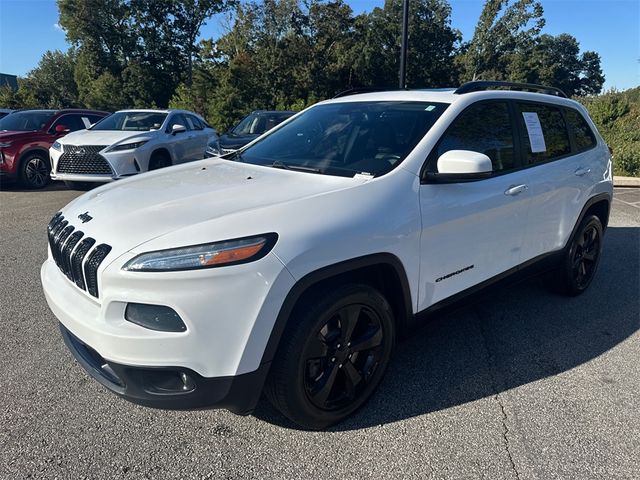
581 260
159 160
34 171
333 356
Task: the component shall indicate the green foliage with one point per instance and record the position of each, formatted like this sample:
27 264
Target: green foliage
617 116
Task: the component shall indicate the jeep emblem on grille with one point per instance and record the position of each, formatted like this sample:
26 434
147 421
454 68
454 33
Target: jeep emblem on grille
85 217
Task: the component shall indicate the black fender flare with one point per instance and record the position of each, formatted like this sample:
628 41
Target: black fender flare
317 276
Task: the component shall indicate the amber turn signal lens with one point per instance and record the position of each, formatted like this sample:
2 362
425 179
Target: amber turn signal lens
228 256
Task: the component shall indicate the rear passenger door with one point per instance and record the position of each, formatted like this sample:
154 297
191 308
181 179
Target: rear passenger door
559 178
473 230
200 137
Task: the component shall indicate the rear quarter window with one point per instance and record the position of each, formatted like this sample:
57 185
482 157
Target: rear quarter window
582 133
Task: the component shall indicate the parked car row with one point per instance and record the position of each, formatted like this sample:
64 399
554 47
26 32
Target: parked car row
89 146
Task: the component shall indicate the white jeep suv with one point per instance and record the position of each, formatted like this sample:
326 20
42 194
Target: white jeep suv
294 263
129 142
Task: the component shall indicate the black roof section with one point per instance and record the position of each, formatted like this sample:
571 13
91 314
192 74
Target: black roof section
479 86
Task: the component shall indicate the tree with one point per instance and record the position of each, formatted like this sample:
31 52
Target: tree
557 61
503 30
51 84
433 44
146 46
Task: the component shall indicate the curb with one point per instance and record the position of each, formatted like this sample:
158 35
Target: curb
626 181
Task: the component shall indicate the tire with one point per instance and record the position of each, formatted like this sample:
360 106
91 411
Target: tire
34 170
159 160
327 367
581 259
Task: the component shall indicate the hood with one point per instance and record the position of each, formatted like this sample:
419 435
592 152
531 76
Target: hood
101 137
229 141
129 212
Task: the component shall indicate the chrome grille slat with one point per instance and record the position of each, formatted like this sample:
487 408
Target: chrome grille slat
69 250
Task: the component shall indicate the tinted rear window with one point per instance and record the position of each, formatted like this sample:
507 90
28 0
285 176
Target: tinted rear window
547 120
582 133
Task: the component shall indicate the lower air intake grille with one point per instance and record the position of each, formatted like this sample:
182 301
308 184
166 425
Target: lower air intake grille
69 250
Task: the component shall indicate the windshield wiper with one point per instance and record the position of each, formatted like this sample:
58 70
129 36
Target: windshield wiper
299 168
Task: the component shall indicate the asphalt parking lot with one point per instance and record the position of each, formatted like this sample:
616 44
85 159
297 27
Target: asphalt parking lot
522 384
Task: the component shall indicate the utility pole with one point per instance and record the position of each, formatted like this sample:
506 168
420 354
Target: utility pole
403 46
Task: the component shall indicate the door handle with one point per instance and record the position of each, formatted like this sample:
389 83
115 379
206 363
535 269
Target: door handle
516 190
581 171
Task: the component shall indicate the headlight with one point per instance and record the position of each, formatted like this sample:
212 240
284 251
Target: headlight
213 149
5 144
57 146
128 146
218 254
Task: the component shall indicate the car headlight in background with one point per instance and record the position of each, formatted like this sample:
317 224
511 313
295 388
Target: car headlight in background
218 254
214 149
57 146
128 146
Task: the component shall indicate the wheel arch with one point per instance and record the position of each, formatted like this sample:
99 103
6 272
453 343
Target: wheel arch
383 271
160 150
599 205
23 155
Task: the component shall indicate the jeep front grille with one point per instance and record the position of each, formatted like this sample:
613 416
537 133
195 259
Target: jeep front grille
84 159
69 250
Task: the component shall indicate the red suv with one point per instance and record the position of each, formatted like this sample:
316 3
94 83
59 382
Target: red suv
27 135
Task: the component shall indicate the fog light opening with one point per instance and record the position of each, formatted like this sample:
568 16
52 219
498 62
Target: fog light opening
154 317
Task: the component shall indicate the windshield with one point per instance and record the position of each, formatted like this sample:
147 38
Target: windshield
26 121
132 121
347 138
258 123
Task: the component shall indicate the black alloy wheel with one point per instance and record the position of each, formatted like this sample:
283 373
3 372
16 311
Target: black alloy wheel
341 358
581 259
332 355
585 256
34 171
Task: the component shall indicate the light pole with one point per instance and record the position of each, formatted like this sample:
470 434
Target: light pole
403 46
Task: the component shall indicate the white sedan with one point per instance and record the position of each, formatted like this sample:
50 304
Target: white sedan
130 142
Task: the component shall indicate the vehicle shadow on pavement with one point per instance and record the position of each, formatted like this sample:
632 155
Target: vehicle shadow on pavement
11 186
511 336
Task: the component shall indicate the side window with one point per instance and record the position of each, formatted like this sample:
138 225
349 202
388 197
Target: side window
72 122
94 119
179 119
484 128
543 132
582 133
197 124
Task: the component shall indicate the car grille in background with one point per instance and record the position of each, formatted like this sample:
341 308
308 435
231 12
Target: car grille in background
76 256
83 159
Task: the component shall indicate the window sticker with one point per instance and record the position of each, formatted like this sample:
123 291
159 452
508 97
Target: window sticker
86 122
534 130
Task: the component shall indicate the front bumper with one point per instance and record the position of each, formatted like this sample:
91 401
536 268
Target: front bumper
174 388
122 164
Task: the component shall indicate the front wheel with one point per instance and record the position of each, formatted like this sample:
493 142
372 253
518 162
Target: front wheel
581 259
333 356
34 171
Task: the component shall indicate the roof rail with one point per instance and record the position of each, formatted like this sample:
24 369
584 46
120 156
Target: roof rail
478 86
356 91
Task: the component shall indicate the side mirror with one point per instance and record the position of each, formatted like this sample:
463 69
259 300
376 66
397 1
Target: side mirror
62 129
463 162
177 128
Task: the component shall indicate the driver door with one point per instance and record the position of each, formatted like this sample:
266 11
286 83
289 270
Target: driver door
473 230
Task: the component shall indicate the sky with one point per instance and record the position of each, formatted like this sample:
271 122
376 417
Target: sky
28 28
